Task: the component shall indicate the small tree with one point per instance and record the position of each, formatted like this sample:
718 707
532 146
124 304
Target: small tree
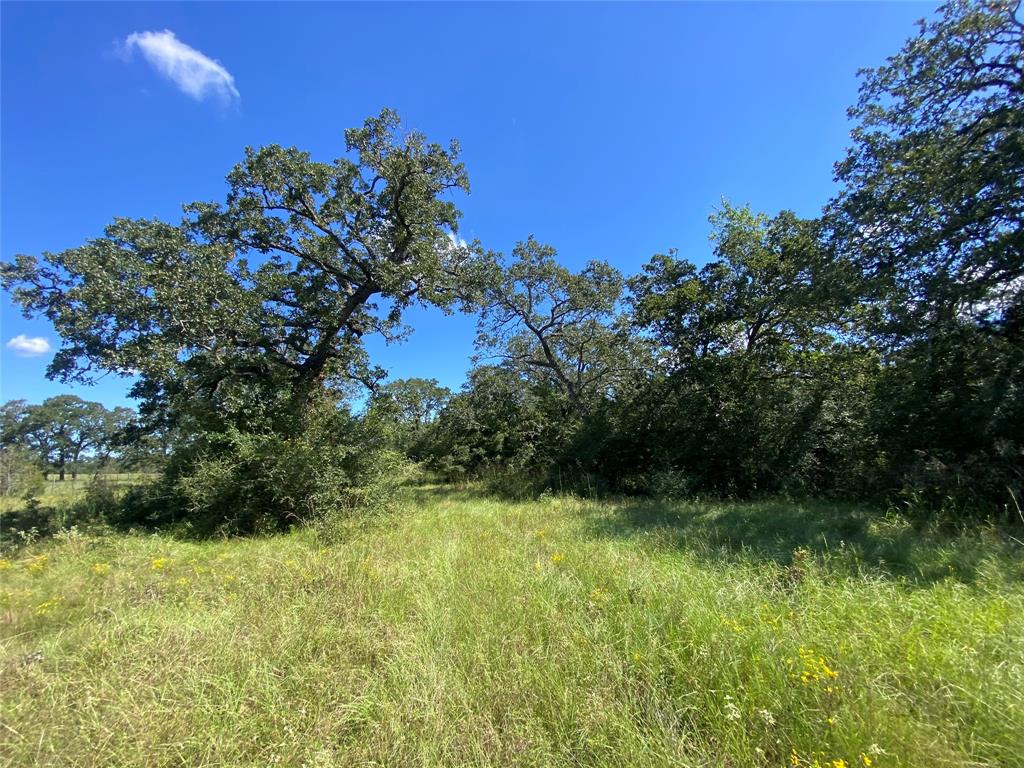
496 423
752 355
20 473
414 405
555 326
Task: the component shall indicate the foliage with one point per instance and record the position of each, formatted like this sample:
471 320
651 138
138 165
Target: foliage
932 205
64 430
240 318
412 405
754 363
496 423
254 305
875 352
20 474
948 419
250 482
554 327
564 352
931 214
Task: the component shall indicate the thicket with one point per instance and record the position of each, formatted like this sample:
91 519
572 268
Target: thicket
874 352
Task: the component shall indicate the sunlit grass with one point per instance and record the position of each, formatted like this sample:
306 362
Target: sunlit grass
469 631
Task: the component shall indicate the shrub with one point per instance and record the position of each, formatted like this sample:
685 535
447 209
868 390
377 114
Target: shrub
20 475
334 465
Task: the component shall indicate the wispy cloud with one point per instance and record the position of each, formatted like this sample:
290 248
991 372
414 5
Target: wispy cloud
28 346
192 71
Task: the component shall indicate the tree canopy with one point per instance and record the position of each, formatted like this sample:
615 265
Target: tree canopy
267 296
873 352
932 200
553 325
64 429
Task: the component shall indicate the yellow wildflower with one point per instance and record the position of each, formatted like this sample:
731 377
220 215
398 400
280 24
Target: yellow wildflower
100 569
4 563
839 763
794 758
732 624
37 564
825 669
816 669
44 608
159 563
557 558
866 760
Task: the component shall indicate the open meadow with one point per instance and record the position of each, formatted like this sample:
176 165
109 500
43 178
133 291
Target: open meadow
465 631
694 438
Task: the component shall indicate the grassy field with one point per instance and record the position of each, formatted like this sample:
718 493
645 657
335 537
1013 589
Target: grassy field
468 631
71 483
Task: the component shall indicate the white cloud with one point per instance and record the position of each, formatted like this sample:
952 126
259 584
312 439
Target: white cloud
28 346
192 71
456 241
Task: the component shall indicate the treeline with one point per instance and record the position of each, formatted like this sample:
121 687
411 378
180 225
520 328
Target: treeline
874 352
762 372
68 435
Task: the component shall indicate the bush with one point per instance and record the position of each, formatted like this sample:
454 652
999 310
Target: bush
20 474
661 484
245 482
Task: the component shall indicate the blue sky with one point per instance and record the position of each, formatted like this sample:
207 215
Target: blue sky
608 130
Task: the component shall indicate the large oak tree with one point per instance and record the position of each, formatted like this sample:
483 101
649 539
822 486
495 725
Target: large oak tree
253 305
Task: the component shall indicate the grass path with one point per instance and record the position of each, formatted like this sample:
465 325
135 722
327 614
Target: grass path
467 631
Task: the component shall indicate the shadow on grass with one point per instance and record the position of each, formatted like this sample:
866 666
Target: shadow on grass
121 510
34 520
844 538
26 520
419 495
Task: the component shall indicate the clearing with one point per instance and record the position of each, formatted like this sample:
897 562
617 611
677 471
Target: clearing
472 631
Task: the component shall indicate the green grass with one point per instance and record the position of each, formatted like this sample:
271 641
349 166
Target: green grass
469 631
57 499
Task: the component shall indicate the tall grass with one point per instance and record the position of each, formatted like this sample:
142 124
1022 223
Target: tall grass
470 631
